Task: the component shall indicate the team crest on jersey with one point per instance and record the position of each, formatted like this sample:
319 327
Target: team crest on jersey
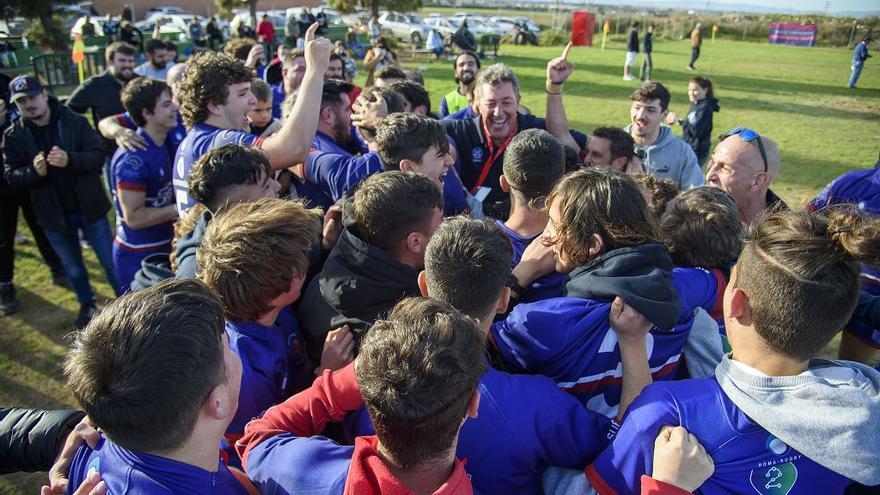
133 161
774 480
477 154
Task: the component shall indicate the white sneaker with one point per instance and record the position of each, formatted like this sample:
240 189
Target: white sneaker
628 78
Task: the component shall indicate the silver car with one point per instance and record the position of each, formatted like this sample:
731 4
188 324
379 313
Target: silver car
407 27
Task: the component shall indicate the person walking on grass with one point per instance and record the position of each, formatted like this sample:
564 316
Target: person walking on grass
696 41
647 47
632 50
858 61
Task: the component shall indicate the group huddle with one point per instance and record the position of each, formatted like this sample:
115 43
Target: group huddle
360 298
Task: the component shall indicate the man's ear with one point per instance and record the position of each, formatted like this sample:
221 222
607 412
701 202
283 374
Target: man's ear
407 165
505 186
740 307
217 405
473 406
327 115
421 110
214 109
503 301
598 246
760 180
619 163
423 283
416 242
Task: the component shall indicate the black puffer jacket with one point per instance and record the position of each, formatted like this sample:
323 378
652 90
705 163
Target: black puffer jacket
29 438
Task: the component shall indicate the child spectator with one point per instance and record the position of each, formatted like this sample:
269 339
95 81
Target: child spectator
262 123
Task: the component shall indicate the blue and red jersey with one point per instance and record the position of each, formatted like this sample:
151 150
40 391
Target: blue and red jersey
198 141
278 96
273 362
147 171
569 340
138 473
747 457
544 287
171 142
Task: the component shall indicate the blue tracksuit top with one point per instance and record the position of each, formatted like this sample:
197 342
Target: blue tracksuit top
569 340
137 473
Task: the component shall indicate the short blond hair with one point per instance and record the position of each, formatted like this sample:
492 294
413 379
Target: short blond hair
252 251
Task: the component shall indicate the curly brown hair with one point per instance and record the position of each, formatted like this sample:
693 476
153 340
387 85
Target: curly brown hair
239 47
207 80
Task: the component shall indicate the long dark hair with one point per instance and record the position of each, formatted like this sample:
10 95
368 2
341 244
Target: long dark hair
706 84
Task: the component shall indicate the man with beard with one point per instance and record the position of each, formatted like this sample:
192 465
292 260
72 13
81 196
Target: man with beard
159 60
466 66
101 93
55 154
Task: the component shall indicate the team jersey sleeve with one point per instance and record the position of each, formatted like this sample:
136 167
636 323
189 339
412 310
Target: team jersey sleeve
334 174
286 463
697 288
130 173
233 136
124 119
454 195
444 108
619 468
823 199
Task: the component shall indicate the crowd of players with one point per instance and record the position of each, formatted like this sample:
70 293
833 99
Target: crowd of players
325 289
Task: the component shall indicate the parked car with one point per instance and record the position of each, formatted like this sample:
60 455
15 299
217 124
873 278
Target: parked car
169 24
96 22
443 25
509 23
164 10
407 27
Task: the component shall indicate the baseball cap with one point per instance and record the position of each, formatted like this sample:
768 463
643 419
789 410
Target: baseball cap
24 86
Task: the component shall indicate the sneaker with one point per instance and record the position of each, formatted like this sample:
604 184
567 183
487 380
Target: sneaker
690 68
86 313
8 302
628 78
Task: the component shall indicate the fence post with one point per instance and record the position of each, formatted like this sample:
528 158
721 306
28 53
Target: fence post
851 34
745 29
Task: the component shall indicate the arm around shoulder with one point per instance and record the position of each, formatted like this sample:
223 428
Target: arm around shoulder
88 157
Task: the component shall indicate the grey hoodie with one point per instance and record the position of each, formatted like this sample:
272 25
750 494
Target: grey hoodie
672 158
830 413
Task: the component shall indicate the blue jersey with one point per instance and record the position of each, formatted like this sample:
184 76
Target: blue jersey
336 171
174 137
201 139
544 287
569 340
149 172
137 473
277 99
524 424
273 365
463 114
745 454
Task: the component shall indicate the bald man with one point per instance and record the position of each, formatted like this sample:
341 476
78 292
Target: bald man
743 164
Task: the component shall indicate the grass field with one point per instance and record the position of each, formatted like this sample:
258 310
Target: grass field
795 95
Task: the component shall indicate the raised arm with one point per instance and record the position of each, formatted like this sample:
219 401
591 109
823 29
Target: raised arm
290 145
558 71
631 328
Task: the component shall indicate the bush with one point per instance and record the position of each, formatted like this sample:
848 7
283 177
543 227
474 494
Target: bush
553 38
54 39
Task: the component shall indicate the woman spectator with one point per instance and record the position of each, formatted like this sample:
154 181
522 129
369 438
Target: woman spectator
697 124
377 58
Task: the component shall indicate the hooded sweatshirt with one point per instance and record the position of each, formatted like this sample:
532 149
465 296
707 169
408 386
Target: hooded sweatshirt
671 158
569 339
358 284
697 125
830 413
188 245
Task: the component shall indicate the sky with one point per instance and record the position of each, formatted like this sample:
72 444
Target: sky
815 5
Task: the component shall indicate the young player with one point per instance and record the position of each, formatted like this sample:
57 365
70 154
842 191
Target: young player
533 164
255 257
603 236
141 180
781 420
418 372
155 374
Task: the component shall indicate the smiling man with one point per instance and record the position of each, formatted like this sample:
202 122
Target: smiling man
466 66
480 142
666 156
215 98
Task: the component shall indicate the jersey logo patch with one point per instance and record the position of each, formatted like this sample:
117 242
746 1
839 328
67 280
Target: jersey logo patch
774 480
477 154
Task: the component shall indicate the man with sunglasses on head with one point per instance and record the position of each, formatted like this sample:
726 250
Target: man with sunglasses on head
744 164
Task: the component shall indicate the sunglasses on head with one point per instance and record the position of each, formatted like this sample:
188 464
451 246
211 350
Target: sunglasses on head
748 135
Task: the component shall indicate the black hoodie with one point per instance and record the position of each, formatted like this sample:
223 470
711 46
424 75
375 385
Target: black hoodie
358 284
697 125
641 275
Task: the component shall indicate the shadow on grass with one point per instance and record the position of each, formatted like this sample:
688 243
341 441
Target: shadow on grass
45 316
31 396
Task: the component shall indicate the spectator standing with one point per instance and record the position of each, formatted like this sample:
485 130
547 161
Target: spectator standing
632 51
647 48
291 30
101 93
697 124
858 61
158 61
131 35
696 42
377 58
266 31
215 36
10 201
196 33
466 66
56 154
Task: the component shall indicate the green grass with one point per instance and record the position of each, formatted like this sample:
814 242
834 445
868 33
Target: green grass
795 95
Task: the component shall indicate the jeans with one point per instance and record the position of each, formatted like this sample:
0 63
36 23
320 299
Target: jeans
647 65
66 244
695 54
856 72
10 202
